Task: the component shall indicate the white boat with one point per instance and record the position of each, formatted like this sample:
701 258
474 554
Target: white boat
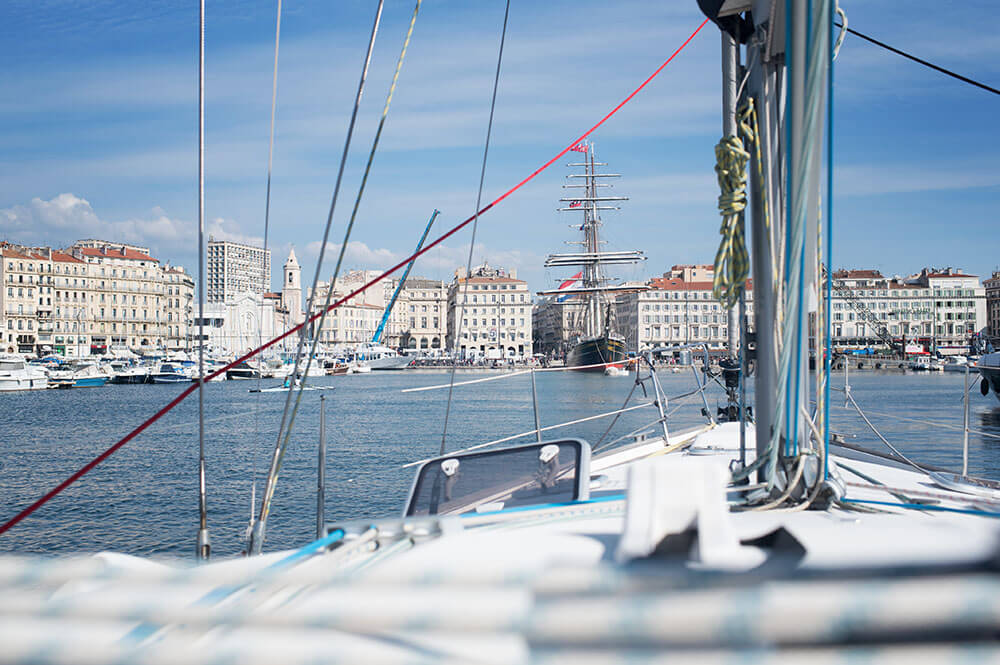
380 357
920 363
170 373
16 374
616 370
359 368
955 364
78 375
699 546
989 368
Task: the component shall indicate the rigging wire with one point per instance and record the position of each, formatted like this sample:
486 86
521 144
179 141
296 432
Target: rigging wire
921 61
204 547
265 282
472 240
143 426
350 225
279 449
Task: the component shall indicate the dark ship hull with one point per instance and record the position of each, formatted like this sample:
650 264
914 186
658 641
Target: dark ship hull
597 351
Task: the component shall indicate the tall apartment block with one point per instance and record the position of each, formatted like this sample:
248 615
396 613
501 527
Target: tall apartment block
234 268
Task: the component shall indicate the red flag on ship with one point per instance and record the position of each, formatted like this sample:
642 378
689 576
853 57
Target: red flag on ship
575 204
580 147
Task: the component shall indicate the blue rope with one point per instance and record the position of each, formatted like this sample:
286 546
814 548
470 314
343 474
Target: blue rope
828 252
921 506
546 506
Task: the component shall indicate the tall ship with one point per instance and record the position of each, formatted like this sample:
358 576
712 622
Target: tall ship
596 340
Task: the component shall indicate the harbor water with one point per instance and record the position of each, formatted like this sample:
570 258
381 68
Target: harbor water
143 500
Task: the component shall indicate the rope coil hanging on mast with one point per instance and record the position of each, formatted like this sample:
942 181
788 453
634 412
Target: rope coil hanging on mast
732 261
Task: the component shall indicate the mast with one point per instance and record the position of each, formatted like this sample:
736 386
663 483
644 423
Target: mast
402 280
594 285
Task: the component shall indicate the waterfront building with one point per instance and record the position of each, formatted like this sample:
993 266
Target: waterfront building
992 288
91 298
23 273
125 300
350 325
418 319
489 314
677 308
291 289
179 307
242 323
555 322
938 309
235 268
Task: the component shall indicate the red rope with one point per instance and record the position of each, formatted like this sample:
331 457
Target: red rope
194 386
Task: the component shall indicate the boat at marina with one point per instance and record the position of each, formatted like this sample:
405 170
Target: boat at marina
955 364
244 370
761 538
989 369
78 374
598 341
378 356
170 373
16 374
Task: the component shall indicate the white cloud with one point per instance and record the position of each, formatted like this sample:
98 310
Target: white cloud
67 217
869 179
441 260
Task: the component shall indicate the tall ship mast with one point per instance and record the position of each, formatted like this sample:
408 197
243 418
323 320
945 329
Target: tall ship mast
597 340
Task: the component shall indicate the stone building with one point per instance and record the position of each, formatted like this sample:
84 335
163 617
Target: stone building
180 298
992 289
938 309
673 310
419 317
92 298
489 314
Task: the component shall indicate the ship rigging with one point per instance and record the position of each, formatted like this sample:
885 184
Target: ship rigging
597 341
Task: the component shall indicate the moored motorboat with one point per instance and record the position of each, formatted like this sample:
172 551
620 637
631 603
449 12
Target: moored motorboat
16 375
989 369
170 373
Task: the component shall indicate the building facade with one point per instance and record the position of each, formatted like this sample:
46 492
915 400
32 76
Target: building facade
348 326
938 309
419 317
489 314
235 268
672 310
991 287
180 307
89 299
241 323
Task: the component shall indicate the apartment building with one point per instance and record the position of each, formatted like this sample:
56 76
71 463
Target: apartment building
489 314
939 309
25 275
180 304
419 317
91 297
991 287
352 324
126 297
235 268
674 310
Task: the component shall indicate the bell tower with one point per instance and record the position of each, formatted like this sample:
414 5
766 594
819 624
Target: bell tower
291 289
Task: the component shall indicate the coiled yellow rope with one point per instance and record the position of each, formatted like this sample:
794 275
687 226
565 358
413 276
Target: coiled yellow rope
732 262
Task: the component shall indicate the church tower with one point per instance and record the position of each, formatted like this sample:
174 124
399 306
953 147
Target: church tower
291 289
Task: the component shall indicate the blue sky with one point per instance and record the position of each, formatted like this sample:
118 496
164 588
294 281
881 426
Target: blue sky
99 130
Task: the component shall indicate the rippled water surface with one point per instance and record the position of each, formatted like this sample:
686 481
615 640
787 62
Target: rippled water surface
143 500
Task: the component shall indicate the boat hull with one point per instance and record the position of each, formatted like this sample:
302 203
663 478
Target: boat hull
597 351
992 377
171 378
90 382
16 384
